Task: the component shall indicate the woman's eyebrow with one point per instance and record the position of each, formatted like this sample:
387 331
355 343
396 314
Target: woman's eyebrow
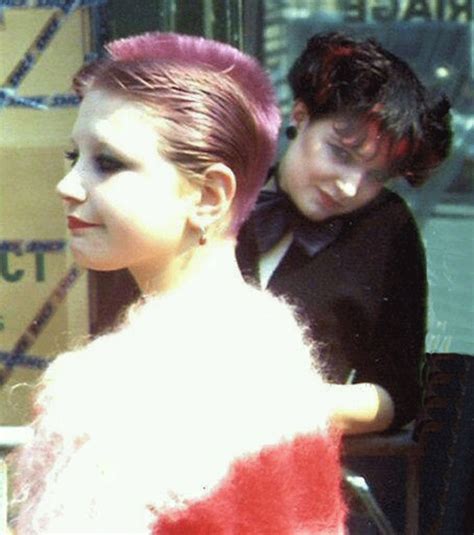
99 144
105 146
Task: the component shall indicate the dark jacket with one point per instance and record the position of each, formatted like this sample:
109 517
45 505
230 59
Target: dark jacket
363 297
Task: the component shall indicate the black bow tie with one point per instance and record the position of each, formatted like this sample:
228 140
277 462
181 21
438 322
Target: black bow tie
275 215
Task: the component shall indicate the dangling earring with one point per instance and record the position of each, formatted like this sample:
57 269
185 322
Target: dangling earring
291 132
203 237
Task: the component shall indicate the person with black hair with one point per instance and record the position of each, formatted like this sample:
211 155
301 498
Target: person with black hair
330 235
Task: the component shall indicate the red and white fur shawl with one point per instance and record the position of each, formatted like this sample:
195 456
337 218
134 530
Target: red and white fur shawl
190 419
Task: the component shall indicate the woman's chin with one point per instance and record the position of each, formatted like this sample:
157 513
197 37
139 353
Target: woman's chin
316 213
94 261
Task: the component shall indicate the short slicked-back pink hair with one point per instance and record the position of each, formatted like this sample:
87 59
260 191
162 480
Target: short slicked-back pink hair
214 104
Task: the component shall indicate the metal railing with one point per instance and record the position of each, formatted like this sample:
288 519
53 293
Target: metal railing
397 444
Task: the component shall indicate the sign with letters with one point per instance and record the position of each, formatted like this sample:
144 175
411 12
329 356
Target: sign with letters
354 11
43 294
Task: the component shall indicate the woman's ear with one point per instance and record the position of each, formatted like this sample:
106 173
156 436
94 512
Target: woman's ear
217 192
299 113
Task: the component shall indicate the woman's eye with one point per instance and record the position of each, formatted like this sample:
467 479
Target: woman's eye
341 154
72 156
378 176
108 164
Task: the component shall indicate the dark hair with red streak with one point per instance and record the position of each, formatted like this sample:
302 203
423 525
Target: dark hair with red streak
336 74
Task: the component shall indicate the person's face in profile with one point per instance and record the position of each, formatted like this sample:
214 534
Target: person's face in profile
334 166
126 205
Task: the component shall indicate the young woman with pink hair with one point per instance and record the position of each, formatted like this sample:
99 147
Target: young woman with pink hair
204 410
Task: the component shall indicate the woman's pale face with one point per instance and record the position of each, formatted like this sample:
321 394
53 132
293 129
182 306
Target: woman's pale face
125 204
325 175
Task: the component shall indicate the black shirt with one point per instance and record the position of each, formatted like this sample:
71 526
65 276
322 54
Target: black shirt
363 297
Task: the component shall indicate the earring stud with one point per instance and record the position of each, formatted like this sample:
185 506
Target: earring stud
203 237
291 132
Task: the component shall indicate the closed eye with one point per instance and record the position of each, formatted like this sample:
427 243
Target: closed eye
342 155
108 164
378 176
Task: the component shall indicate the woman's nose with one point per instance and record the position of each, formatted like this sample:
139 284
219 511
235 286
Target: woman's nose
71 188
349 183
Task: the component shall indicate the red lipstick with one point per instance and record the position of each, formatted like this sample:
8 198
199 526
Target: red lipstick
74 223
328 201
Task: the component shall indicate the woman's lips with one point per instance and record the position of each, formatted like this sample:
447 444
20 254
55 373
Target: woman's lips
328 201
74 223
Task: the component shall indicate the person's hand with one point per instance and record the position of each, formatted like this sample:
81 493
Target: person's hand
360 408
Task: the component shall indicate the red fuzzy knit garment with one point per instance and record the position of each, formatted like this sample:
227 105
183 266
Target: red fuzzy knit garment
288 489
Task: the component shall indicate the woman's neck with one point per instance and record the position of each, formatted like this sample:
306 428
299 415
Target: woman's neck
212 267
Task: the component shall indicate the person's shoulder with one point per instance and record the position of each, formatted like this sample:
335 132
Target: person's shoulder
388 198
277 351
279 329
265 304
392 198
389 209
398 212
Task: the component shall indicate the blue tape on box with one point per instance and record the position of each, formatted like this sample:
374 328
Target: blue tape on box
17 356
27 361
41 42
38 102
48 4
32 246
9 98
